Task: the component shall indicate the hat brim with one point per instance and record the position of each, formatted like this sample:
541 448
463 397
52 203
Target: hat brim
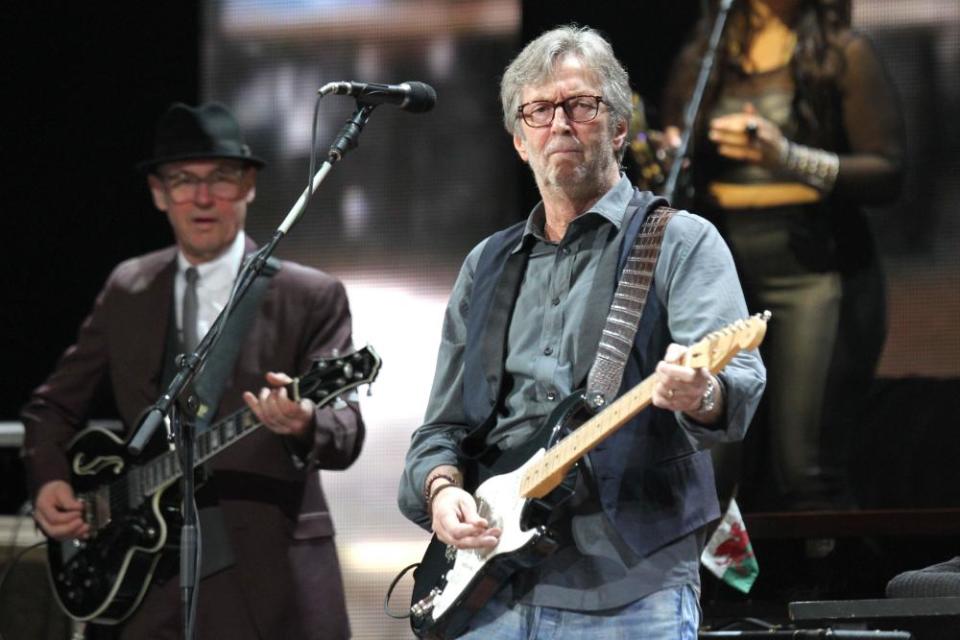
148 166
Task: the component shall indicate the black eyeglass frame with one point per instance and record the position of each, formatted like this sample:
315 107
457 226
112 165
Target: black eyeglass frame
223 183
553 112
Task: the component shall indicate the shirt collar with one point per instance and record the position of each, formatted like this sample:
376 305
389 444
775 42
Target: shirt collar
612 206
222 269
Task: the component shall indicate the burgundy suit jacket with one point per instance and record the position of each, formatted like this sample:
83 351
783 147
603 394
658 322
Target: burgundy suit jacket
270 502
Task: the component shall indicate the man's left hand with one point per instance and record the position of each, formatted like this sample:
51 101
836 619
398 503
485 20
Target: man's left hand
680 388
277 411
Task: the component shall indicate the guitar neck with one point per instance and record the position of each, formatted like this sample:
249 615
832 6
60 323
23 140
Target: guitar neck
713 352
165 468
327 379
546 475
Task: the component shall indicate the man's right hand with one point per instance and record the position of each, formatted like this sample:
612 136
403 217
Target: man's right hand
456 521
58 512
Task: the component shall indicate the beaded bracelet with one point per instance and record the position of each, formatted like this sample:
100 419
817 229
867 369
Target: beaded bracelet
426 490
436 493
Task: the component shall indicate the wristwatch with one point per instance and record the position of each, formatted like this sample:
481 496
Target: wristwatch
708 401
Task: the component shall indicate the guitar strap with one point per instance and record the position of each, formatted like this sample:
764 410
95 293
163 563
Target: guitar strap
217 553
616 341
211 380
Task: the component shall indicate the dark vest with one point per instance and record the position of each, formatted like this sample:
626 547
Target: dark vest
653 484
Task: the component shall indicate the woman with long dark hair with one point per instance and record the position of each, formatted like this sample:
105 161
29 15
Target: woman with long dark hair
798 128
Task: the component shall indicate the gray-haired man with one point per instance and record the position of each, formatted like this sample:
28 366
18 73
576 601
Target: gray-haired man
521 331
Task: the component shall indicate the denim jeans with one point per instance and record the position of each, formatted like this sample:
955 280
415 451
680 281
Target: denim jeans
670 614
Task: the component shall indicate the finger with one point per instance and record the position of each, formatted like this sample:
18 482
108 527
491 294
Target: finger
488 539
676 375
749 109
286 407
672 136
268 404
740 153
59 516
660 400
253 404
282 411
457 513
448 527
728 125
62 526
278 378
64 498
732 138
67 504
674 352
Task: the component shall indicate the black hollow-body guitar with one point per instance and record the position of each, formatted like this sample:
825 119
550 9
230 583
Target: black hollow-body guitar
451 585
134 507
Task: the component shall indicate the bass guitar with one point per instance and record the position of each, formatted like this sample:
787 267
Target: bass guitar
451 585
133 510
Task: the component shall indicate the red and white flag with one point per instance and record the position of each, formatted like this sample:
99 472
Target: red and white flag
729 555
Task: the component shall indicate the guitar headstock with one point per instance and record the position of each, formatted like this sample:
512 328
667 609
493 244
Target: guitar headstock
717 348
331 377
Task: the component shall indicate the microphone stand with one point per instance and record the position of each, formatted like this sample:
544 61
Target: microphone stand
180 396
690 113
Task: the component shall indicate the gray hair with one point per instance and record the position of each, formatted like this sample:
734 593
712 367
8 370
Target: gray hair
538 61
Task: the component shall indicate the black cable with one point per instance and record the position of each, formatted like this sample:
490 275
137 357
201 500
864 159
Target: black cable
386 599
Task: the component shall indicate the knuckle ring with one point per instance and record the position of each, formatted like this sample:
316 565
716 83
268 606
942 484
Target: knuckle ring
751 129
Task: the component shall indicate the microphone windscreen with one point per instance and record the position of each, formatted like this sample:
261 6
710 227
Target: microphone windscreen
421 98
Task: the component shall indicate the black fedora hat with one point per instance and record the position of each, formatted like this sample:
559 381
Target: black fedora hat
206 131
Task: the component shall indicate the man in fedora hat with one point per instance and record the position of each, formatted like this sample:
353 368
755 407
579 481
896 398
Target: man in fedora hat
269 566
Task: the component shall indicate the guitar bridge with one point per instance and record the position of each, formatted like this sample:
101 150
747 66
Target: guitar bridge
96 509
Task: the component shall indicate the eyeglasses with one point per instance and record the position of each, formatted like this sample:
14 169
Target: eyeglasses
224 183
540 113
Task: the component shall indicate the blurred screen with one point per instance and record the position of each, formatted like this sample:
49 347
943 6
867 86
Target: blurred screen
393 219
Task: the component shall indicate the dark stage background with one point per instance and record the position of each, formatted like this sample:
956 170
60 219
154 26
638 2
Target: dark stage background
85 84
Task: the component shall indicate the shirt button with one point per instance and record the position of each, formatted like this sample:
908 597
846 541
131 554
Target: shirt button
548 351
555 301
565 251
551 396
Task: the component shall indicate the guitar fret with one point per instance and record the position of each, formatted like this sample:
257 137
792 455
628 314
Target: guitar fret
203 445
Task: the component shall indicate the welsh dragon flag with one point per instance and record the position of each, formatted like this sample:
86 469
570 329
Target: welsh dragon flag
729 555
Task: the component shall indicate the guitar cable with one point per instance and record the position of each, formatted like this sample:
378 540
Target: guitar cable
386 599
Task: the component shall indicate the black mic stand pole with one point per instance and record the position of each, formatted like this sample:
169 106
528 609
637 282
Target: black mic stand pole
189 365
690 113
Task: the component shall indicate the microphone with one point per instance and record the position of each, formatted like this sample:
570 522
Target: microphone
415 97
